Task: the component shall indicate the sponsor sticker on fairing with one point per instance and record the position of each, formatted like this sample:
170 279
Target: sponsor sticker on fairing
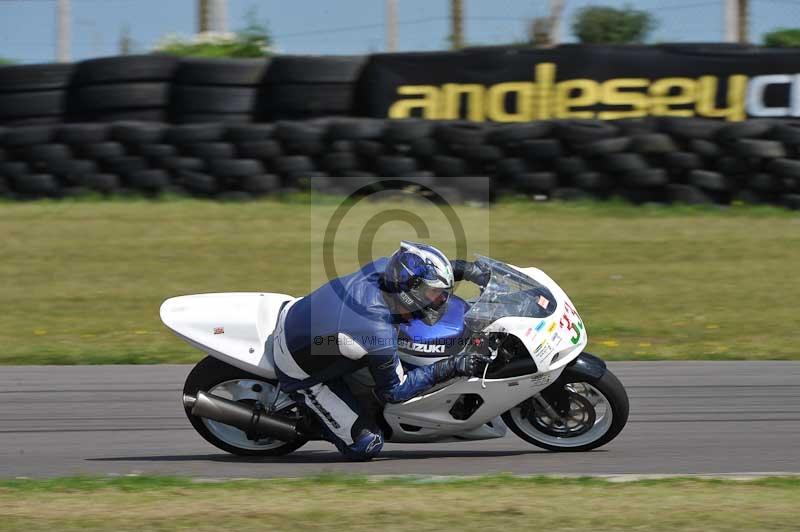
544 351
543 302
538 380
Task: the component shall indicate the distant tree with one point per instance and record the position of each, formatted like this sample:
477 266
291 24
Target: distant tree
6 61
783 38
609 25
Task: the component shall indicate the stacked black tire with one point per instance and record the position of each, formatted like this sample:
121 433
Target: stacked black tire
162 88
69 160
311 86
649 160
34 94
134 87
218 90
209 162
132 157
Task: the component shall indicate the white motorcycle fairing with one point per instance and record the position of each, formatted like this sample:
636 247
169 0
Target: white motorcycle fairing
237 329
234 327
553 343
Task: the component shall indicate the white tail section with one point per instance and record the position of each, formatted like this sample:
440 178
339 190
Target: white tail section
233 327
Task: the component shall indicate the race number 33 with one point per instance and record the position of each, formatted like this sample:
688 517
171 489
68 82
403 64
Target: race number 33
573 324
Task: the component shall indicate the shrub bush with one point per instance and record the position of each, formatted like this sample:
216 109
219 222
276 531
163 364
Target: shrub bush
252 41
783 38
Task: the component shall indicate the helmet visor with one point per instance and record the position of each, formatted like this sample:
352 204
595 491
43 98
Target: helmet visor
433 304
436 297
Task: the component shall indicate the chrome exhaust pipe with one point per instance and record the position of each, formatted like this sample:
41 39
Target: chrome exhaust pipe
240 416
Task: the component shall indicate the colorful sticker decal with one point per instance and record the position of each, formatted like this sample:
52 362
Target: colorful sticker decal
540 326
551 328
576 327
528 332
543 302
219 330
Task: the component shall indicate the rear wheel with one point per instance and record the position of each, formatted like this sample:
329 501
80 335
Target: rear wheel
577 416
218 378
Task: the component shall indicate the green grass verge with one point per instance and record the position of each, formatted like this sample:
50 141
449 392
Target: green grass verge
362 503
82 281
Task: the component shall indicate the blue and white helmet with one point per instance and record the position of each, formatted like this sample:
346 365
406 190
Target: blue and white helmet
420 278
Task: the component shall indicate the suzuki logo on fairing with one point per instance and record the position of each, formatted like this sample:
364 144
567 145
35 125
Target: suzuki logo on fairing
421 348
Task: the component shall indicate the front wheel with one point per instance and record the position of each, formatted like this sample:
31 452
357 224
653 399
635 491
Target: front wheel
218 378
578 416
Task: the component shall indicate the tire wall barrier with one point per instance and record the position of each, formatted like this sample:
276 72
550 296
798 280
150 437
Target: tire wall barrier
243 128
163 88
643 160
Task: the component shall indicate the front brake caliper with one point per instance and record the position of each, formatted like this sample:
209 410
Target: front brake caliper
559 399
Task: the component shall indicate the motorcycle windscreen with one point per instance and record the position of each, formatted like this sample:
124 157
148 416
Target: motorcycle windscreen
509 293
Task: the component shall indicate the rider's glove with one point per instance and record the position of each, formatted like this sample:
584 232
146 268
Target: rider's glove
463 365
470 271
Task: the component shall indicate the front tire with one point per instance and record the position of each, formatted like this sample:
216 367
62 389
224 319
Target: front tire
594 413
216 377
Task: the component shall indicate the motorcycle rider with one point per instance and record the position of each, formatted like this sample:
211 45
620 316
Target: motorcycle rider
351 322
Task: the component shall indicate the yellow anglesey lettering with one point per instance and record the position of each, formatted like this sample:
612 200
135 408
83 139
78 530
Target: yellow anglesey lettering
474 95
520 93
426 98
545 76
544 97
576 93
668 92
622 92
707 87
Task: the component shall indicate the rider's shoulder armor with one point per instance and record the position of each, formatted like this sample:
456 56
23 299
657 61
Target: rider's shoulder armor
352 305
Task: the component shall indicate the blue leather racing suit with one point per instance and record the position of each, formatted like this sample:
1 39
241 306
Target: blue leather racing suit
343 326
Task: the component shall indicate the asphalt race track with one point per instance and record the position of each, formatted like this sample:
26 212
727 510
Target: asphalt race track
686 417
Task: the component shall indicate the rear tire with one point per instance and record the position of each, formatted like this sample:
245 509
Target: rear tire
617 406
210 373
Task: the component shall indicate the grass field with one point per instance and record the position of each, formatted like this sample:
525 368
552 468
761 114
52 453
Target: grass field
82 281
352 503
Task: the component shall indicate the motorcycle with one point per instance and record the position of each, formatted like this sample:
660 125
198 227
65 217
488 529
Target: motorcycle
540 383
